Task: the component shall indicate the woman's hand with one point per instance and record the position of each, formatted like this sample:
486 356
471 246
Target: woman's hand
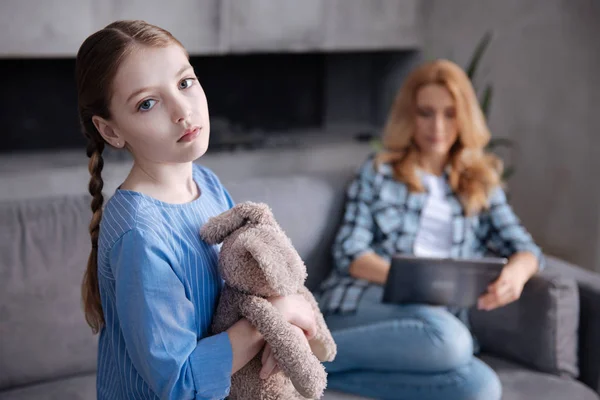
509 285
297 311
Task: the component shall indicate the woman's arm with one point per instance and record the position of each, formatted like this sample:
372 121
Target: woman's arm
370 267
525 262
352 251
508 238
509 285
504 233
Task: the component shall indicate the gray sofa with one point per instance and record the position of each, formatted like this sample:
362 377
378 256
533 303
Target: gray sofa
47 351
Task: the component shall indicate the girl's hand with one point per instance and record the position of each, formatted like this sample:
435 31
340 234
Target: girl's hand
509 285
297 311
269 364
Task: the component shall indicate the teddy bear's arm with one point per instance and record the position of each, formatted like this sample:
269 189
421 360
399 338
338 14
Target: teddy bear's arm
322 344
291 351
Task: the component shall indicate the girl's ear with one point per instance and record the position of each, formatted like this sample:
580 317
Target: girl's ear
216 229
107 132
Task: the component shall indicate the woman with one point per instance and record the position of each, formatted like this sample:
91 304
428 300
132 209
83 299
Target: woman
434 191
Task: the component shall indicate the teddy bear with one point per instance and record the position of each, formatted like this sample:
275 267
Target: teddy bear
258 261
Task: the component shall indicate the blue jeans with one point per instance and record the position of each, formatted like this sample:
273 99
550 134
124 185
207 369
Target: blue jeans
407 352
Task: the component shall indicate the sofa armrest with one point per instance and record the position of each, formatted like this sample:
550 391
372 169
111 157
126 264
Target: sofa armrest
539 331
589 319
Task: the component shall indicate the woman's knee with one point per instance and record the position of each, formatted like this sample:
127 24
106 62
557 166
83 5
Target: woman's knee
481 382
452 342
457 348
414 338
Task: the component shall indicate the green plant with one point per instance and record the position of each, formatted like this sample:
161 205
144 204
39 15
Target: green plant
486 98
474 65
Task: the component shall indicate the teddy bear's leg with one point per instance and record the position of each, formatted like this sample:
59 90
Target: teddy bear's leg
297 396
278 387
322 345
246 383
291 351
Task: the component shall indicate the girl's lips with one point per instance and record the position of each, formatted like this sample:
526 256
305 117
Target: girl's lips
190 135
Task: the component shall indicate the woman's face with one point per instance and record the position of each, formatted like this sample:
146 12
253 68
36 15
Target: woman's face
435 122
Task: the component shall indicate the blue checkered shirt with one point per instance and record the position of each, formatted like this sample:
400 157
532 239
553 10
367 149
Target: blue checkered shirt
383 216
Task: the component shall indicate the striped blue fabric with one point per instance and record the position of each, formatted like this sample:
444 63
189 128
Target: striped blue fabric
383 216
159 285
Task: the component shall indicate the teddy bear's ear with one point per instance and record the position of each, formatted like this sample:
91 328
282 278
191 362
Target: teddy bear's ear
277 259
216 229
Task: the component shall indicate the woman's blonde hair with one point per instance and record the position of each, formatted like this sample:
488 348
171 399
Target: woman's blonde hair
473 171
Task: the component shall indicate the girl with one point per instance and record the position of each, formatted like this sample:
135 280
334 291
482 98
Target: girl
152 284
433 192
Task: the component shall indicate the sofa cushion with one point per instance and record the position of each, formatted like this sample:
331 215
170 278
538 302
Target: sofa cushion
520 383
589 317
84 388
307 210
44 246
539 330
76 388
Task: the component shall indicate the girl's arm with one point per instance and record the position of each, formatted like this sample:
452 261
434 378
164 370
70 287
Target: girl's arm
158 326
246 342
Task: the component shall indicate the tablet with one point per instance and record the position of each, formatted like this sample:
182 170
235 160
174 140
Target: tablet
440 281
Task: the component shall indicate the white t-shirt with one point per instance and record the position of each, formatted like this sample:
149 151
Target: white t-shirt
434 237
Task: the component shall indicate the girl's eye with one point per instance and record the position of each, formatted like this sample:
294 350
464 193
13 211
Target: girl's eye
186 83
146 105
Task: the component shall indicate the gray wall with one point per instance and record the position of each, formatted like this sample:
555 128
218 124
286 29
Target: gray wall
34 28
544 63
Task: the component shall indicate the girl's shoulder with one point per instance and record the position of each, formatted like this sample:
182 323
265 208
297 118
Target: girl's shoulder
121 214
142 221
210 186
129 211
207 179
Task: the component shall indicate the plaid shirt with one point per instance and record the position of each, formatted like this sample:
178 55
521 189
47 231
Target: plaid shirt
383 216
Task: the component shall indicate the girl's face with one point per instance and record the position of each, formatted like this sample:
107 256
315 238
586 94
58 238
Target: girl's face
158 108
436 126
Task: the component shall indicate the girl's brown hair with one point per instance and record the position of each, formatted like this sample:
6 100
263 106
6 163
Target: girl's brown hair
474 172
98 60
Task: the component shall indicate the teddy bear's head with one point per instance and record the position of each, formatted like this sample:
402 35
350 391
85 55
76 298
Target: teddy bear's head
256 256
